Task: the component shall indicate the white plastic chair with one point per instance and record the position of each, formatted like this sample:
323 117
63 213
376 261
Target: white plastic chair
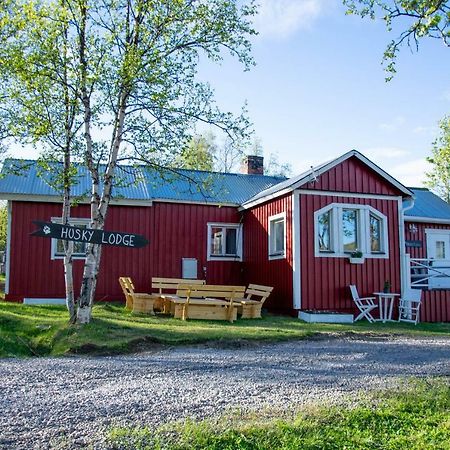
364 304
409 309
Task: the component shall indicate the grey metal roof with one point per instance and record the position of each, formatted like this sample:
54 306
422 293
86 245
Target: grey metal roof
26 177
428 205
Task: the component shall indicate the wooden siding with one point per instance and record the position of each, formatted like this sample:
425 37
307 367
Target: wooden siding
435 302
174 231
354 176
257 267
325 280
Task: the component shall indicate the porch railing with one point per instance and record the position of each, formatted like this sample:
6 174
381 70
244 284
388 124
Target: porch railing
428 273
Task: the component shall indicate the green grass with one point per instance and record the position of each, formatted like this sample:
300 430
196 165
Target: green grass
415 417
44 330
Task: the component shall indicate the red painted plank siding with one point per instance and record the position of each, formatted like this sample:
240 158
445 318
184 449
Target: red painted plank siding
174 231
325 281
354 176
258 268
436 302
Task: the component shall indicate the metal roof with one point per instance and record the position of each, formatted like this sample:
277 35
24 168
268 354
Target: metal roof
142 183
428 205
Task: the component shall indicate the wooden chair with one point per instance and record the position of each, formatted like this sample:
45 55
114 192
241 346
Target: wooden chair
409 308
166 288
137 301
208 302
364 304
255 296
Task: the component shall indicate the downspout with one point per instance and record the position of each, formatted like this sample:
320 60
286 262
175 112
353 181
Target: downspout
406 205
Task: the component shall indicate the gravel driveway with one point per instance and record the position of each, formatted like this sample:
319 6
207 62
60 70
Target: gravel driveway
69 402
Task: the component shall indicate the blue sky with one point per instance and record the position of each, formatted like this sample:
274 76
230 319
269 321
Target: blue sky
319 89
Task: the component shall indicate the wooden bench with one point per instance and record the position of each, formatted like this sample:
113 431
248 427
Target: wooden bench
137 301
255 296
166 289
209 302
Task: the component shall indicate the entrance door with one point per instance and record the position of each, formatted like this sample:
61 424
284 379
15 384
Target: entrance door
438 249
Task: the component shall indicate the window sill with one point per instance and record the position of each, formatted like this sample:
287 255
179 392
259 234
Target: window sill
277 256
224 258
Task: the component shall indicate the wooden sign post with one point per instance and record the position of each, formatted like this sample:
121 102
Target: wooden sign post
88 235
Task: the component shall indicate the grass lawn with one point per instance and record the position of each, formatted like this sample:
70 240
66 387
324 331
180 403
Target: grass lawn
43 330
414 417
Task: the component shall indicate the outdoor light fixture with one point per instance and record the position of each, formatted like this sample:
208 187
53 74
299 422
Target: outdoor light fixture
412 228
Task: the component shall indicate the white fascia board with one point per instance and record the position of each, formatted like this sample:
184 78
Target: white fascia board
56 199
427 220
325 168
118 202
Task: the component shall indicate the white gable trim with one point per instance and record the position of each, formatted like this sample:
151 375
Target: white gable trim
325 168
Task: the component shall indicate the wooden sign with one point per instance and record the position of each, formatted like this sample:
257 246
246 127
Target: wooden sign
88 235
413 244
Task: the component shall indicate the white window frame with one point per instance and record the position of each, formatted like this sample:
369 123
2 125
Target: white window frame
238 228
272 237
363 230
73 221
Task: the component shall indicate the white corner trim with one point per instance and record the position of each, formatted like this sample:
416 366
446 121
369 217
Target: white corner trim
8 246
239 238
404 269
296 262
269 236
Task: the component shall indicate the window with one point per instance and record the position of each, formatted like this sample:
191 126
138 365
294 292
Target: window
375 233
79 248
277 236
324 231
341 229
350 222
224 241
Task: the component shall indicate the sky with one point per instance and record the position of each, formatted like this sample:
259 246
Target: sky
318 89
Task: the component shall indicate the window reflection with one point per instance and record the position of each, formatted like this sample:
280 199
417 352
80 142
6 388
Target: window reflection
350 229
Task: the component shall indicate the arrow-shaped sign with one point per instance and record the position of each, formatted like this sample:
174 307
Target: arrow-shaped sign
88 235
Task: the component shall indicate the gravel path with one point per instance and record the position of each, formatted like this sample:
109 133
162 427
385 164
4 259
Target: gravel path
70 402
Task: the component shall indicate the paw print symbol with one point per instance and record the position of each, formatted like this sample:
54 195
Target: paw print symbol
46 229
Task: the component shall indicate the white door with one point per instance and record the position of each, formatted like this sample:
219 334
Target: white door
438 249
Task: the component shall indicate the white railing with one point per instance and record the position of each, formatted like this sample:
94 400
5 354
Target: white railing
428 273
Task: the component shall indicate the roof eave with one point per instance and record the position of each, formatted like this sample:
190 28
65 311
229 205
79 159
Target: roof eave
427 220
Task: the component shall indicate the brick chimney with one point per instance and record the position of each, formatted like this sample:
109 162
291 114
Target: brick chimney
253 165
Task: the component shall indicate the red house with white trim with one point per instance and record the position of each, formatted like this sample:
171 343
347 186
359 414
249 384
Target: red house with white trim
295 234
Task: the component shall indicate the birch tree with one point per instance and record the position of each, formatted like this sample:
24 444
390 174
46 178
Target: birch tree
134 69
438 178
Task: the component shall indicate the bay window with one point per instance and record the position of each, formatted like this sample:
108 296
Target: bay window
341 229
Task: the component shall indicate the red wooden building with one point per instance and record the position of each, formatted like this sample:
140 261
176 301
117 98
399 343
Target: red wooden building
295 234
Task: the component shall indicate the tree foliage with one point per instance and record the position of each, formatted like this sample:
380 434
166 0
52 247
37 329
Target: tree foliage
3 226
199 153
438 178
416 19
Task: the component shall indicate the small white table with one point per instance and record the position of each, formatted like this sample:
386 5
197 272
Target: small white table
385 305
